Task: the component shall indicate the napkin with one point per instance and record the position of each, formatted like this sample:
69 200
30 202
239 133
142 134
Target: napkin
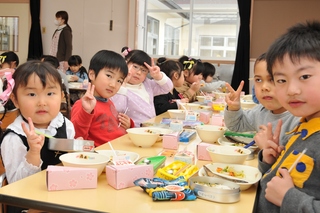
157 188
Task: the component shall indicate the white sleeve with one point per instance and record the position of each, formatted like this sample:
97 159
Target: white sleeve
13 153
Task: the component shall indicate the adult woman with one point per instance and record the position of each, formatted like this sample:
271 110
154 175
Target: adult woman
61 46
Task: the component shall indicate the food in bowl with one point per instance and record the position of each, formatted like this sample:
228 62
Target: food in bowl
228 154
144 136
251 175
132 156
85 160
210 133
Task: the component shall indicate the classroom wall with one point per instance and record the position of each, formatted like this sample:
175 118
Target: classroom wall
90 19
90 22
271 18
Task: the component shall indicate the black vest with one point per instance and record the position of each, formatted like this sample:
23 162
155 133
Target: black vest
48 157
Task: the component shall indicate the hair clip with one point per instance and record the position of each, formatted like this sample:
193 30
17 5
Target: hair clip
126 52
2 58
188 64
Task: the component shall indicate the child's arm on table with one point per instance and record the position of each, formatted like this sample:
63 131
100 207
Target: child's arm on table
35 143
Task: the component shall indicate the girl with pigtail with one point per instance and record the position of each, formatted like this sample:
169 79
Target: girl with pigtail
174 70
192 70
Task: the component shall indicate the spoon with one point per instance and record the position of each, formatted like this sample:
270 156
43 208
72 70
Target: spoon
209 173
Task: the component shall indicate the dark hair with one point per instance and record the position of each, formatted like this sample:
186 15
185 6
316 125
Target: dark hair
52 60
75 60
44 70
169 67
136 56
8 57
300 40
63 15
194 65
260 58
209 70
108 59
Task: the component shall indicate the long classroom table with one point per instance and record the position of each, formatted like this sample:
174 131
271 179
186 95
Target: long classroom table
31 192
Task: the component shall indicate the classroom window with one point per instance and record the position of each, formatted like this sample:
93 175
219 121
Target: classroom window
205 29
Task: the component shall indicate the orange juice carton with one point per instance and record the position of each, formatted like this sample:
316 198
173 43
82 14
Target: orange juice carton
170 141
69 178
202 153
123 176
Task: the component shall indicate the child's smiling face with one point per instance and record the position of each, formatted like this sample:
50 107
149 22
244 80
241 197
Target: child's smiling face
298 86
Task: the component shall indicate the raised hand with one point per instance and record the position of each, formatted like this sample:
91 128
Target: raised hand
154 70
269 142
195 86
277 187
35 143
233 98
88 100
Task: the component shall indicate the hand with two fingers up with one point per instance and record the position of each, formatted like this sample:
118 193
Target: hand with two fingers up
269 142
154 70
35 143
88 100
233 97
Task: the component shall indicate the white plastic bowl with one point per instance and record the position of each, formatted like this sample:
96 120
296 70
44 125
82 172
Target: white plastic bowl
210 133
247 104
177 114
252 174
228 154
85 160
189 106
202 98
144 136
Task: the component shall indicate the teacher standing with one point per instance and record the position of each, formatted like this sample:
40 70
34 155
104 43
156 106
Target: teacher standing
61 46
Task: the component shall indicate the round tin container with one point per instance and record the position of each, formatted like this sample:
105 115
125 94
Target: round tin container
225 191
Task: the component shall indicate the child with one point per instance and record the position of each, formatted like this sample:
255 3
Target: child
210 84
9 60
94 115
192 70
174 70
76 70
294 63
138 93
37 94
269 109
55 63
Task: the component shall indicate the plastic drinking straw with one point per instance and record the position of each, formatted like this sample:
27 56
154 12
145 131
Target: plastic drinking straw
297 160
123 113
